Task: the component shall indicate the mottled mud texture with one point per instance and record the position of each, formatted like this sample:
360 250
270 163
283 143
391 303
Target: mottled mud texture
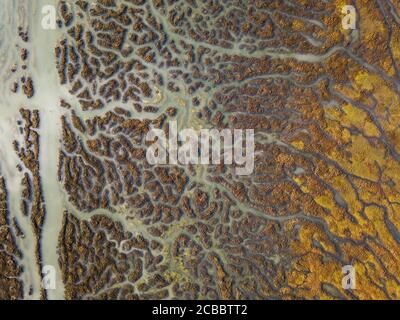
11 287
32 202
325 192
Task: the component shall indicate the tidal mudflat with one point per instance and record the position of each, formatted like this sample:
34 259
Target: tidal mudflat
84 215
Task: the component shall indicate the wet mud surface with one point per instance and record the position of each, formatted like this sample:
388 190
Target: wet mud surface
77 192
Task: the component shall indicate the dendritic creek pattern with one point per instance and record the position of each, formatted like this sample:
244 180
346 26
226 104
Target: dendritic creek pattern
78 196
